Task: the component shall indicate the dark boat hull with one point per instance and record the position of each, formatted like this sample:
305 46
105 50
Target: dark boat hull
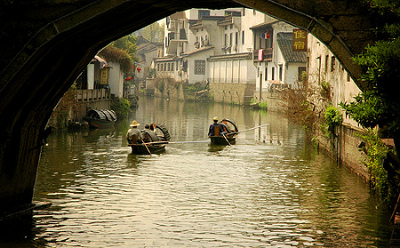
220 140
140 149
95 123
102 118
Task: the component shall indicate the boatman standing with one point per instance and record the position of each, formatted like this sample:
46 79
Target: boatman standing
214 128
134 135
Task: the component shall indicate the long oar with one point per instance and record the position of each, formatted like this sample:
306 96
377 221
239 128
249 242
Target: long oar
226 139
248 129
145 145
175 142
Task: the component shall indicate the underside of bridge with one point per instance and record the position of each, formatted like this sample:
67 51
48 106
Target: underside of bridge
47 43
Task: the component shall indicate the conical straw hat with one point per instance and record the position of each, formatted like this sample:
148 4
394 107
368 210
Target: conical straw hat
134 123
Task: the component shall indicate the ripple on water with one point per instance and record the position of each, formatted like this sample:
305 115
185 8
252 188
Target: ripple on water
247 195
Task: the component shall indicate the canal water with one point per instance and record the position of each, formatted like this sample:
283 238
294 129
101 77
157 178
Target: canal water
271 189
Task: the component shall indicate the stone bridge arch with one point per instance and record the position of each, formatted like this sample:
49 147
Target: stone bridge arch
46 44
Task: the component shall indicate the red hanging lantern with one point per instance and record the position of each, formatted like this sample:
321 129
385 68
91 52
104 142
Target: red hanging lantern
128 78
138 69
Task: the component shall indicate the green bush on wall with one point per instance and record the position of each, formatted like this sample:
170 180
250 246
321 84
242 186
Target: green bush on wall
333 118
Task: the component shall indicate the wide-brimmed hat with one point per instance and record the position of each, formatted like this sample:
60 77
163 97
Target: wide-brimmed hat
134 123
215 119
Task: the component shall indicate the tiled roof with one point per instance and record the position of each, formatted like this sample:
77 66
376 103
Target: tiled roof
285 43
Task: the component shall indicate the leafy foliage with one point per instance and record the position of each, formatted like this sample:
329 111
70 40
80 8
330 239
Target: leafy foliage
122 107
263 105
334 119
376 152
325 90
122 51
128 44
113 54
154 32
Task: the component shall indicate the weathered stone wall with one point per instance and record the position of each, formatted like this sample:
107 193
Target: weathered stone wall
170 91
274 100
237 93
345 149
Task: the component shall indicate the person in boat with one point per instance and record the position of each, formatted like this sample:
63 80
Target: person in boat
133 136
148 134
215 128
225 127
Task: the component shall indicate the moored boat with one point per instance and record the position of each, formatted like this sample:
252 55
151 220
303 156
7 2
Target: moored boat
102 118
225 133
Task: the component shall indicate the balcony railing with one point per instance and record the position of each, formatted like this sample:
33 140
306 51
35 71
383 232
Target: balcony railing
92 95
265 55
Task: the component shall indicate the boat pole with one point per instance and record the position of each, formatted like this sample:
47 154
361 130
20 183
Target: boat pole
226 139
145 145
176 142
249 129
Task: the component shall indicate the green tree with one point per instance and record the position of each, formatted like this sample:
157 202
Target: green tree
112 54
154 32
128 44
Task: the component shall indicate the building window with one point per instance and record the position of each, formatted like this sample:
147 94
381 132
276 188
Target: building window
326 62
300 73
231 26
162 67
199 67
236 38
333 62
266 73
280 72
273 73
242 37
230 39
158 67
169 67
172 66
226 42
203 13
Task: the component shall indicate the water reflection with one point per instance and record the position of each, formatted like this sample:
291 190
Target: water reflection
215 148
270 189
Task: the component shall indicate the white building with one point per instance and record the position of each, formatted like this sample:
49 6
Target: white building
223 46
323 67
116 80
234 62
277 64
146 52
191 37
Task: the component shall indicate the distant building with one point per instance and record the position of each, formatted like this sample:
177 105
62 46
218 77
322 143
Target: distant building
278 65
232 50
146 52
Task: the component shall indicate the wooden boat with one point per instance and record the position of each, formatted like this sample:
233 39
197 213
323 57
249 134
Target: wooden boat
141 149
231 131
221 140
153 147
103 118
